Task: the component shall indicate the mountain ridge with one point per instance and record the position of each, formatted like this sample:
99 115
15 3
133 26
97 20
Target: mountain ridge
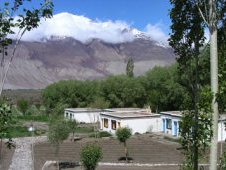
38 64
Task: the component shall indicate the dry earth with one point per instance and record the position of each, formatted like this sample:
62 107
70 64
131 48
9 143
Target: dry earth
144 150
6 157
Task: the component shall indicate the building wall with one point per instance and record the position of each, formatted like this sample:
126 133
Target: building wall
221 131
86 117
109 127
173 128
175 132
143 125
139 125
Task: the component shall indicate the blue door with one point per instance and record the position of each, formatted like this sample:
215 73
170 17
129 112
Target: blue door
164 125
175 129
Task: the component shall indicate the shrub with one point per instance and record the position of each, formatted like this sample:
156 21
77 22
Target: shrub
90 156
101 134
15 110
104 134
33 110
58 131
23 105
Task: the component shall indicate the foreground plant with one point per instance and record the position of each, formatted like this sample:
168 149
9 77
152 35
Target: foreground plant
90 156
123 134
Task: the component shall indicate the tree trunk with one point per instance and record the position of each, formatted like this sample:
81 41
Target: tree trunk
126 152
214 82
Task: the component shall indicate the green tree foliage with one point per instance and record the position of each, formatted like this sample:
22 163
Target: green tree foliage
130 67
187 39
32 110
99 103
222 164
5 119
5 124
163 88
123 91
159 88
123 134
58 131
73 125
75 93
90 156
23 105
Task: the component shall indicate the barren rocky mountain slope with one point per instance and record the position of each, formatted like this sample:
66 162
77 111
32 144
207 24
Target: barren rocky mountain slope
38 64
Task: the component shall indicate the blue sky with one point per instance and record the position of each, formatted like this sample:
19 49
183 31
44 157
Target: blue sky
138 13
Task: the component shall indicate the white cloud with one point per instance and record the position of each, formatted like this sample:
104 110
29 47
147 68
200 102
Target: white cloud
156 33
80 28
84 29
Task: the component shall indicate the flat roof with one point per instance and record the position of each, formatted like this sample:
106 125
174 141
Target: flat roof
124 109
77 110
172 113
124 115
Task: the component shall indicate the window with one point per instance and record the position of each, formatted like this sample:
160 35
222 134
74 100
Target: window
106 123
168 123
113 124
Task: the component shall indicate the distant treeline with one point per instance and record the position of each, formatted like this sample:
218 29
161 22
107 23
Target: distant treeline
159 88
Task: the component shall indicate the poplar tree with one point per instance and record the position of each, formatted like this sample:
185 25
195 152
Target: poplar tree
189 20
130 67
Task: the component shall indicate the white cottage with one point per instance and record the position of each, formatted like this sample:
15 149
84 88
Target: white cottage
170 122
222 128
83 115
171 119
138 122
90 115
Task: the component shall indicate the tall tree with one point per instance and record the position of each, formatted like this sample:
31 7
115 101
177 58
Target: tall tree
187 37
213 15
190 18
130 67
25 21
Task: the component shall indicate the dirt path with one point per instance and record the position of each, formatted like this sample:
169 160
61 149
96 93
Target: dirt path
22 158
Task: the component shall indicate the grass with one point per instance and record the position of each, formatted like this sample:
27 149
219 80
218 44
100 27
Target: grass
22 131
19 131
84 130
38 118
101 134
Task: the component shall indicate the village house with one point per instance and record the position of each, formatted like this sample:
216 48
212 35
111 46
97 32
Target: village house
90 115
171 119
137 121
170 122
83 115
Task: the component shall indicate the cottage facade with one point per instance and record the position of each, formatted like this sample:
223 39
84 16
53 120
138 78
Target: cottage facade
138 122
83 115
171 120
